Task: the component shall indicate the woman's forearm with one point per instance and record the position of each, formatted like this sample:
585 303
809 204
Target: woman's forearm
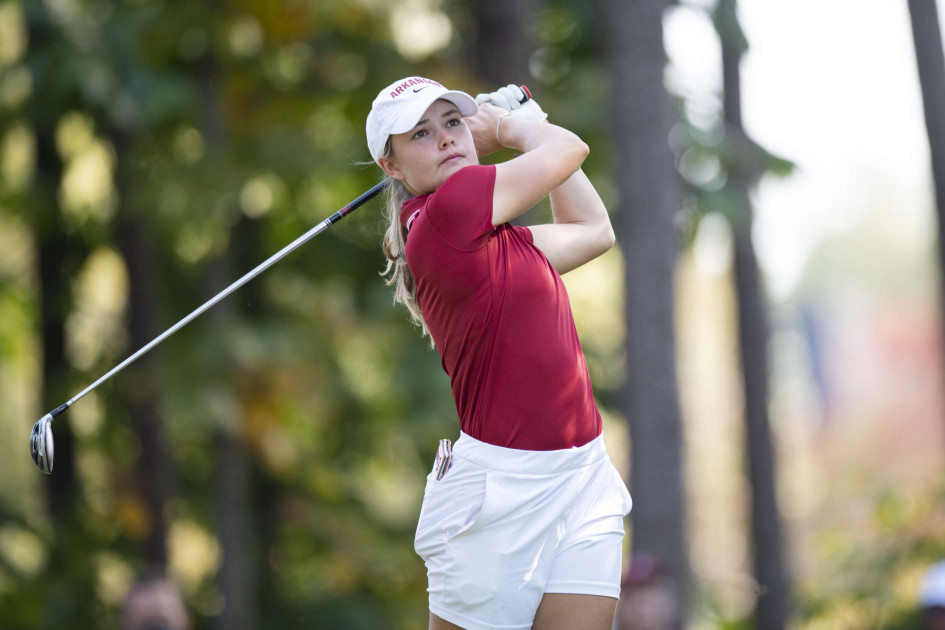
577 201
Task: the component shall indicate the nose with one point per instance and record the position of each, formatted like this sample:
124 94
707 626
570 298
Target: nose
444 138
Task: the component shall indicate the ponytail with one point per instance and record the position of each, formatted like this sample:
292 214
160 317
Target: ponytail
397 273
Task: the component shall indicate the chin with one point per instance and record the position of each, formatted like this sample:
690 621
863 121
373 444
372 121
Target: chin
454 167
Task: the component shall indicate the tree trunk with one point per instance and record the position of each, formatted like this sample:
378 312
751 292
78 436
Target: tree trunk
501 45
931 64
153 473
649 198
773 604
500 52
58 263
233 528
233 501
770 570
68 577
58 259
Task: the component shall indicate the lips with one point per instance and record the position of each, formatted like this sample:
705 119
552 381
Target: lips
452 157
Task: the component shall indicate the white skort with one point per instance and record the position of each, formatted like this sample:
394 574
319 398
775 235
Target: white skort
505 526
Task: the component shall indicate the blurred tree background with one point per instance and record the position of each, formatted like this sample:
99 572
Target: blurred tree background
270 457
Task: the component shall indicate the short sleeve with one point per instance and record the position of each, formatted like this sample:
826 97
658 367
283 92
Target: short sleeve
461 208
526 233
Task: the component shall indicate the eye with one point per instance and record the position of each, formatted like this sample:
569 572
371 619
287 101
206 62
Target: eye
420 133
453 122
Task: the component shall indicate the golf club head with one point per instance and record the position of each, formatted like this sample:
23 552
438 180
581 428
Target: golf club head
41 444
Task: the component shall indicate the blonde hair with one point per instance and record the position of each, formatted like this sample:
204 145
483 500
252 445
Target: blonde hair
397 273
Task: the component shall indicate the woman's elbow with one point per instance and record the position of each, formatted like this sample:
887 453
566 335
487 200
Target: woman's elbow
585 150
581 151
607 238
574 150
604 240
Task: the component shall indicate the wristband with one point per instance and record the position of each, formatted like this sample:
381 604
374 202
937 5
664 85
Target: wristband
497 123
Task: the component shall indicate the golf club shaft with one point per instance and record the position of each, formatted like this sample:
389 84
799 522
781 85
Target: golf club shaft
282 253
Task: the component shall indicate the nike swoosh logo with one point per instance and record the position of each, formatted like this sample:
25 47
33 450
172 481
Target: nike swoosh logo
415 90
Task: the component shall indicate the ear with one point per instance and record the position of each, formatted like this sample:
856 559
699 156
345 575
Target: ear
390 167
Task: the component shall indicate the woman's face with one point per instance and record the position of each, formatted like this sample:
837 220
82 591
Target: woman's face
438 145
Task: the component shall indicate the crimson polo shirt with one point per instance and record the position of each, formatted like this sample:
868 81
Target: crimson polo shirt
501 320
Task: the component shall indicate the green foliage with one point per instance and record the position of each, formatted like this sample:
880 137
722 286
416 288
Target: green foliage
711 163
716 163
874 576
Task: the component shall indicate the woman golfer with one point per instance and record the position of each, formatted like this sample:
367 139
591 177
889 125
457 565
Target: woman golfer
522 521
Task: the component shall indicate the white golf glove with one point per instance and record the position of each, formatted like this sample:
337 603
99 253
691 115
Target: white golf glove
510 98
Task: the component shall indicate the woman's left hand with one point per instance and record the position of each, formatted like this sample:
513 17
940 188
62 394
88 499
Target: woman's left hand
483 127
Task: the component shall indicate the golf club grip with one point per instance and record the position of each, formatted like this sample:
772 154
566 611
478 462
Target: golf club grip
282 253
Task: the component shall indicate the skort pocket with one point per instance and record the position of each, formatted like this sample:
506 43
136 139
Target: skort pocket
450 507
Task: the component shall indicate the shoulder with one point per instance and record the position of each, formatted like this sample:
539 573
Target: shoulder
466 182
460 210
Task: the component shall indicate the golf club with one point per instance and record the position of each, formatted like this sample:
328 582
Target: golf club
41 437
